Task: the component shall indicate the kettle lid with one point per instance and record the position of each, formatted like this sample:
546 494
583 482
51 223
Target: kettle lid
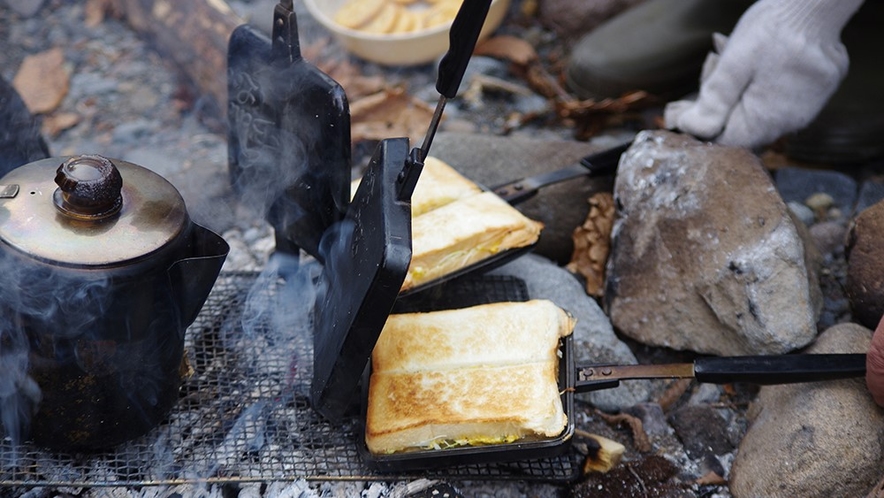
88 210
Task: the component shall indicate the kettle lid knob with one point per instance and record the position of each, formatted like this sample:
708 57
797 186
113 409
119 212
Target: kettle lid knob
89 188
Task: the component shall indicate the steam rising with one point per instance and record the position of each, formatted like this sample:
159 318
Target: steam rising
34 297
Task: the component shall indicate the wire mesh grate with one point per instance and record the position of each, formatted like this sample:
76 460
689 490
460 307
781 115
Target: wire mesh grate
244 415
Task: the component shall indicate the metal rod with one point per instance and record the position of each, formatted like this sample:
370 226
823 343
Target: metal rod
434 125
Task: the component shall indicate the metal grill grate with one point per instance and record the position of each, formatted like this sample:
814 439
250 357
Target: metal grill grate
243 416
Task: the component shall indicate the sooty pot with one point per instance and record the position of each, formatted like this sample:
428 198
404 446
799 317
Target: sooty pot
102 272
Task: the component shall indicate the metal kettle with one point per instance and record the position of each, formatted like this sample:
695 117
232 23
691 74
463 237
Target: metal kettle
101 272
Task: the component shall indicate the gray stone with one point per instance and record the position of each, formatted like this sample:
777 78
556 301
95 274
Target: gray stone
653 419
131 132
798 184
818 439
871 192
828 236
865 266
802 212
594 338
492 160
702 430
705 256
26 8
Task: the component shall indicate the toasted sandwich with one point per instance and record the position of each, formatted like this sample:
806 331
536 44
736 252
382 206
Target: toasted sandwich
465 232
481 375
456 224
437 185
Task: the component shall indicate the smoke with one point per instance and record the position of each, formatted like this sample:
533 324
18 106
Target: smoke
39 307
288 139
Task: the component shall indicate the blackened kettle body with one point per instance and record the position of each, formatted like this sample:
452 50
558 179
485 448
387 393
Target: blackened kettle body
101 272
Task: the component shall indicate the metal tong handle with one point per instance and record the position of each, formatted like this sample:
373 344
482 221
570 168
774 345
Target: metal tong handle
462 38
593 165
763 370
782 369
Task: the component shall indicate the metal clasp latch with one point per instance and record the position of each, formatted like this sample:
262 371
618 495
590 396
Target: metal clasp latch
285 44
8 191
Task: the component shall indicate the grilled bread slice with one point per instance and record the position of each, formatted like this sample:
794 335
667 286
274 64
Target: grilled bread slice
464 232
438 185
481 375
511 333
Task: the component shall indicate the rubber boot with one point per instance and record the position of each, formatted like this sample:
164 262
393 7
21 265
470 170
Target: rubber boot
657 46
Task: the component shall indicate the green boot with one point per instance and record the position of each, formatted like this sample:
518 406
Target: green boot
658 46
850 128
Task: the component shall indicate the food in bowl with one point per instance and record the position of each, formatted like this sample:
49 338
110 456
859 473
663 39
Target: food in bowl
467 377
395 16
424 42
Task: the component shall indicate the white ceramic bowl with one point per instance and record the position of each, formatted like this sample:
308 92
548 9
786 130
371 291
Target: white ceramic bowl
405 49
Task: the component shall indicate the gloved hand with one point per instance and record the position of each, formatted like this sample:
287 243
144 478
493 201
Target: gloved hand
875 365
773 75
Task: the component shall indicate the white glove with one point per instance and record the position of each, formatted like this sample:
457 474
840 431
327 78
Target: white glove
781 64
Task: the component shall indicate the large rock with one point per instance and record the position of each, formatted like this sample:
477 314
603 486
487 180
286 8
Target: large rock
492 160
705 256
818 439
865 266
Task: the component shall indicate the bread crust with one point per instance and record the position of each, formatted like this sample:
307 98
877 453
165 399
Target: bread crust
465 232
486 374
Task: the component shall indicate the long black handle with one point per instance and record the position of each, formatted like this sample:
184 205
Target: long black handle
593 165
462 40
779 369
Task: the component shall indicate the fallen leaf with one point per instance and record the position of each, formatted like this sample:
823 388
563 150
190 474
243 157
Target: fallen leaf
389 113
355 84
592 243
509 48
673 392
93 12
711 479
639 437
42 81
590 116
57 123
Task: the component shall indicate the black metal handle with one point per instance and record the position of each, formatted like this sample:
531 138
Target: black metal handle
593 165
462 40
606 161
779 369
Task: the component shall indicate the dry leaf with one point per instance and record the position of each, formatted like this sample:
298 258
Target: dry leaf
355 84
42 81
94 12
509 48
590 116
639 437
711 478
390 113
673 392
592 243
57 123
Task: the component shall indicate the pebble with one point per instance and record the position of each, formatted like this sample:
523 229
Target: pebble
798 184
802 212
